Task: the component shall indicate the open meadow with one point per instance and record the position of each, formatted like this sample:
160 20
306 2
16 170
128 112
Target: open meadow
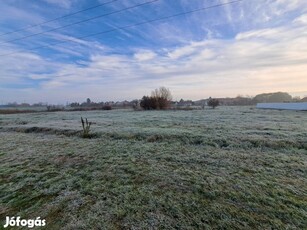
223 168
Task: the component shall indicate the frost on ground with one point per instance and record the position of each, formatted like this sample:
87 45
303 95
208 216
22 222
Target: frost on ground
232 167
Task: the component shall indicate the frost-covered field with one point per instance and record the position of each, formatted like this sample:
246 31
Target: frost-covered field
232 167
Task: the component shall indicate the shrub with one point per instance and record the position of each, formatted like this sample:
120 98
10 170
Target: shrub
159 99
213 102
148 103
107 107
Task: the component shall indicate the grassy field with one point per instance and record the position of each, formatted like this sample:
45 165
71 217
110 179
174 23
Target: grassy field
228 168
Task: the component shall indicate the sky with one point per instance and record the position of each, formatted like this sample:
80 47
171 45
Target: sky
124 49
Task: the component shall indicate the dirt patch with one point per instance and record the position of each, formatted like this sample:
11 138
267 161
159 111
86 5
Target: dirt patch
68 161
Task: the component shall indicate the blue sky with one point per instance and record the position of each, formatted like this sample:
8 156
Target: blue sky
245 48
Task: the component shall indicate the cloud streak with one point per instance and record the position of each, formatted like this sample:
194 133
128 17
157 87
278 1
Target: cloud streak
264 56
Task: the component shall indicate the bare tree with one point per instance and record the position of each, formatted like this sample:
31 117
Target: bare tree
160 99
162 92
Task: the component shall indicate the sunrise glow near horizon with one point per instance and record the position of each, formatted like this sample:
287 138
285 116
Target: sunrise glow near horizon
242 48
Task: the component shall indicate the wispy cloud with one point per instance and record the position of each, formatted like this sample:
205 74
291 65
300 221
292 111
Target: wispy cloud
61 3
214 59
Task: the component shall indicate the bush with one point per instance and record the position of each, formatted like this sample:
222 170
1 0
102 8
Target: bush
107 107
213 102
159 99
149 103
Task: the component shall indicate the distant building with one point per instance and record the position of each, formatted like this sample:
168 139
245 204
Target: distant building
183 103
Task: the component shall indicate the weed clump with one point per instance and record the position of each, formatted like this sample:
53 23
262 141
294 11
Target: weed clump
86 128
